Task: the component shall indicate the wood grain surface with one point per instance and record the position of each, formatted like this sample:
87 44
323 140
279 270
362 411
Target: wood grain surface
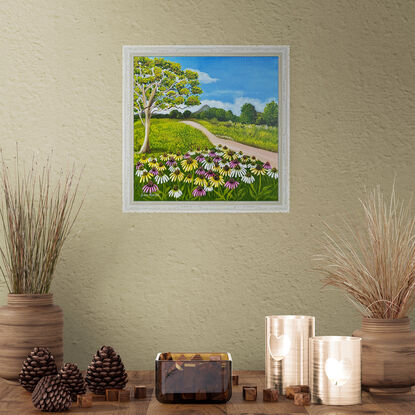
15 400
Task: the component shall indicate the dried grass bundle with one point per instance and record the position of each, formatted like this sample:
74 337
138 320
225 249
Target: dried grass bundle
36 217
375 268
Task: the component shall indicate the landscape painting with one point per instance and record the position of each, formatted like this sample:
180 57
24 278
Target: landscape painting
205 128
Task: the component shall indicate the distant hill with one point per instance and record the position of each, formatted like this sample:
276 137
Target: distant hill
202 109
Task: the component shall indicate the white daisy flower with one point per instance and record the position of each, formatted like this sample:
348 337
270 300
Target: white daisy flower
161 179
248 178
208 166
173 168
208 188
273 173
175 192
223 163
238 172
139 172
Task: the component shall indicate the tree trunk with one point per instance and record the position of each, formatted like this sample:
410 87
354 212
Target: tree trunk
145 148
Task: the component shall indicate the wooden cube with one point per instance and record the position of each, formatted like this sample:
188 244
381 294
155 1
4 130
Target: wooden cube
249 392
140 392
84 401
293 389
235 380
98 398
302 399
124 395
112 395
270 395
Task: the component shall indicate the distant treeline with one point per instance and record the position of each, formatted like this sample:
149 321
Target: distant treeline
249 115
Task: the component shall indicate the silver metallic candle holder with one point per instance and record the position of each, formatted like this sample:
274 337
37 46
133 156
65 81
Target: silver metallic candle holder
335 375
286 350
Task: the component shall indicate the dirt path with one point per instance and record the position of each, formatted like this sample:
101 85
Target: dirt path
263 155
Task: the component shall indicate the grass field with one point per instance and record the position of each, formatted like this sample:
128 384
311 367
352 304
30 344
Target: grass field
169 136
183 165
252 135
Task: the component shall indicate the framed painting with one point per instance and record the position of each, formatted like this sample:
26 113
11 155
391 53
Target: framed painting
206 128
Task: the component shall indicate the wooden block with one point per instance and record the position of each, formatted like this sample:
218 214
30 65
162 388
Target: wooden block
270 395
84 401
112 395
302 399
98 398
235 380
249 392
293 389
140 392
124 395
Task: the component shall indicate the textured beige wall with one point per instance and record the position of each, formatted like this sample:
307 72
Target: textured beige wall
151 282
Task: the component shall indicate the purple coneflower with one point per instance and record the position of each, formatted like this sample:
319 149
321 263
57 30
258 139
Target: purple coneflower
200 157
200 171
187 155
199 191
212 153
138 165
154 171
234 163
267 166
171 161
217 159
150 187
209 173
231 184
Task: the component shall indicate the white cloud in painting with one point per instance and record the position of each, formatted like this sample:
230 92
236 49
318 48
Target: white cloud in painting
204 77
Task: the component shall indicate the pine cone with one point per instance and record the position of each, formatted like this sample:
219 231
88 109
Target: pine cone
72 378
39 363
106 371
51 395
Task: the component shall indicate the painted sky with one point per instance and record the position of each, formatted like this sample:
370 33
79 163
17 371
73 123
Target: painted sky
230 82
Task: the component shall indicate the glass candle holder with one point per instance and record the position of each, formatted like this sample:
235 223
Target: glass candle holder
335 374
286 350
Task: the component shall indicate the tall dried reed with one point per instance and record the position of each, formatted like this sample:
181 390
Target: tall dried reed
375 265
36 218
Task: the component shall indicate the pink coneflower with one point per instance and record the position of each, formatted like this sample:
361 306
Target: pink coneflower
199 191
212 154
201 171
138 165
234 163
150 187
217 159
209 173
200 157
231 184
171 161
187 155
154 171
267 166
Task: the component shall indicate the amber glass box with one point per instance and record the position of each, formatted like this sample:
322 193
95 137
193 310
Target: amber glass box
193 377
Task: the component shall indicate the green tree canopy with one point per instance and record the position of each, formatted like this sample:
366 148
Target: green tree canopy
271 113
248 114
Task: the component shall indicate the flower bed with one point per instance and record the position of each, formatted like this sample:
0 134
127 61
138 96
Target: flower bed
204 175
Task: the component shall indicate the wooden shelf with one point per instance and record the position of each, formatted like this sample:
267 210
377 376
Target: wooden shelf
15 400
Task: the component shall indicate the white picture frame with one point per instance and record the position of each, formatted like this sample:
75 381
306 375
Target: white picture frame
282 205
